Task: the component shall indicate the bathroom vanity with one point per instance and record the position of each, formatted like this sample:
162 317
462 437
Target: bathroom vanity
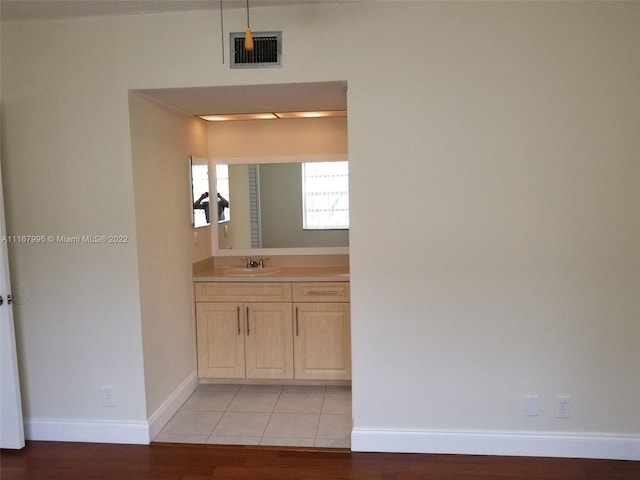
287 324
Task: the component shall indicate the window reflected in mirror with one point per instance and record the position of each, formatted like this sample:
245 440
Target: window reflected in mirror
200 192
325 195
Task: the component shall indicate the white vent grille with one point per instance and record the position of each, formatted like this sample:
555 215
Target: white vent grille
267 50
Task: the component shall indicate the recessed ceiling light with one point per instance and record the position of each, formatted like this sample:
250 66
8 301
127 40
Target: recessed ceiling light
317 114
271 116
238 116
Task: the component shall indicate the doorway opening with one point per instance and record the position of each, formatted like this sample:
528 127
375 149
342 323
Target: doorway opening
287 414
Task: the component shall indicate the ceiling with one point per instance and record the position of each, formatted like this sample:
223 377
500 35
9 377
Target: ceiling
289 97
58 9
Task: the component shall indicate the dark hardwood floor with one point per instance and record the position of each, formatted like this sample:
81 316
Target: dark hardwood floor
86 461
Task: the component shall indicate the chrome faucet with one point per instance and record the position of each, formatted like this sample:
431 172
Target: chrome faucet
251 263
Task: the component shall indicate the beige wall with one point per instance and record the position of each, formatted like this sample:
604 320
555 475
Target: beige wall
67 160
515 271
506 135
161 143
278 138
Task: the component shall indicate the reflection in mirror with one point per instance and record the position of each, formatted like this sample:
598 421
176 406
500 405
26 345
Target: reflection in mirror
222 187
200 191
287 205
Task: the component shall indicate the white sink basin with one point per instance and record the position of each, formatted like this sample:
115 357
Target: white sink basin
250 272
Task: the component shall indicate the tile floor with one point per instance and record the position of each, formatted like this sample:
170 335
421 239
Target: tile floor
305 416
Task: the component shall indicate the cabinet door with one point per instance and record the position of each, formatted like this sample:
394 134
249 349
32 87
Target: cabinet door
220 336
269 340
322 341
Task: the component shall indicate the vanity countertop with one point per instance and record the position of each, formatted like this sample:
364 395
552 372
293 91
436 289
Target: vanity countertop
281 274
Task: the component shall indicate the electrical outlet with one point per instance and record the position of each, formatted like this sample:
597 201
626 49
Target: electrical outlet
107 396
563 406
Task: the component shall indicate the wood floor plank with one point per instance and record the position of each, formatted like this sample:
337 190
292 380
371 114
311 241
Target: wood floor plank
86 461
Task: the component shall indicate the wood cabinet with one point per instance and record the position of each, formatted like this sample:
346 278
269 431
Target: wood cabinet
273 330
322 330
322 341
243 292
330 292
220 340
268 344
249 339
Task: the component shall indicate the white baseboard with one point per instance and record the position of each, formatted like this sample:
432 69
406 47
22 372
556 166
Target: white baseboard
101 431
171 405
93 431
616 447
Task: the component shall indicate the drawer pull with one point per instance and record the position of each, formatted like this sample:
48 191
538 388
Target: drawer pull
297 326
238 319
322 292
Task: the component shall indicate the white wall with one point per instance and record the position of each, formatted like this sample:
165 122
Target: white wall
161 143
505 133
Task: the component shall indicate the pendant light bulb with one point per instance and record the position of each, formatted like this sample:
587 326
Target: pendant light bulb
248 40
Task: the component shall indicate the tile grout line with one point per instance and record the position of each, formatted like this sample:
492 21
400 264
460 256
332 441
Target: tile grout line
324 399
223 414
271 415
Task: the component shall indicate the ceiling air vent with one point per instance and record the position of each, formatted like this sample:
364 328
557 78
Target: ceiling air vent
267 50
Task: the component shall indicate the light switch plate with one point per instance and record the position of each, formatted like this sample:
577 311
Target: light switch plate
531 405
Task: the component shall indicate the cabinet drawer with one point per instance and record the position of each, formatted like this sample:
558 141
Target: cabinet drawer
243 292
321 292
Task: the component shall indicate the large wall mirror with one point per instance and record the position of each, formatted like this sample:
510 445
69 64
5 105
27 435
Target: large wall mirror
291 205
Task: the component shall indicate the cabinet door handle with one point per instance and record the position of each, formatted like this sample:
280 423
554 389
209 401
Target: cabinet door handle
238 319
248 331
297 326
321 292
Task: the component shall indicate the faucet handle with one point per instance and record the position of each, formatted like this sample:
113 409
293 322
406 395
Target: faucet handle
251 263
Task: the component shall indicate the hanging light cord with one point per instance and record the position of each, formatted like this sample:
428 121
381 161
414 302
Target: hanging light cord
222 31
248 39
